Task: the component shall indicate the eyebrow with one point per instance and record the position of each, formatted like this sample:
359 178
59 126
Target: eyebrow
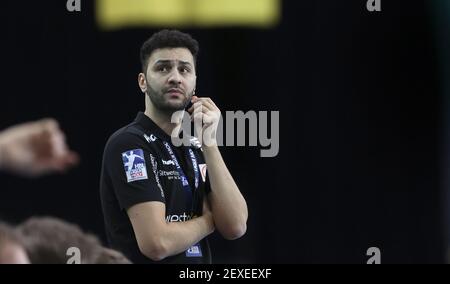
162 61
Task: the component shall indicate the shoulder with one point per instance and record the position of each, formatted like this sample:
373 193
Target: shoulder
128 136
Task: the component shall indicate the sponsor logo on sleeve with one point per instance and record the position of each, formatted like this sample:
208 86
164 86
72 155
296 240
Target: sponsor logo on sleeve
134 164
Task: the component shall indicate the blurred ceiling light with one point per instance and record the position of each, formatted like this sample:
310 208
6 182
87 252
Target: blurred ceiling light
118 14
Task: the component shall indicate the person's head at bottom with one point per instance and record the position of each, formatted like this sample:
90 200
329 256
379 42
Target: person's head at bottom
11 248
50 240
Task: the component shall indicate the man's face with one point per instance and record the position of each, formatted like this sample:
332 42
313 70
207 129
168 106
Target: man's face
170 79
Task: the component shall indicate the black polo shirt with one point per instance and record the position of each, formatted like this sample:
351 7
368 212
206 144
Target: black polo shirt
138 167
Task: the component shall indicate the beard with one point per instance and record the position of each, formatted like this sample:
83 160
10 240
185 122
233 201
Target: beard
162 102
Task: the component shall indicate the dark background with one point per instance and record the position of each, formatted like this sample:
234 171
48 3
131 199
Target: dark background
360 111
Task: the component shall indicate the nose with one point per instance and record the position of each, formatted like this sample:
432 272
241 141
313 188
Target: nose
175 77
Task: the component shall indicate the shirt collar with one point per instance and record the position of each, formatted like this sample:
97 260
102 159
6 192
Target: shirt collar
149 125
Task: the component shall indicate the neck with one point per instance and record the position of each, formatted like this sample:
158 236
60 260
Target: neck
160 118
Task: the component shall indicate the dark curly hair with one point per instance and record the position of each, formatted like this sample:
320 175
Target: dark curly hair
168 39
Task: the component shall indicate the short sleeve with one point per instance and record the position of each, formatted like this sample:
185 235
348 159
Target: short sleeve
132 170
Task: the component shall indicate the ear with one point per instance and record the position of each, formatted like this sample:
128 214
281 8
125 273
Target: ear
142 82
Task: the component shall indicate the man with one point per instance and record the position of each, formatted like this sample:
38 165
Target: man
34 149
159 203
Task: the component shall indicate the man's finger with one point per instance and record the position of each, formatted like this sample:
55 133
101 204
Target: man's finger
204 104
209 101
